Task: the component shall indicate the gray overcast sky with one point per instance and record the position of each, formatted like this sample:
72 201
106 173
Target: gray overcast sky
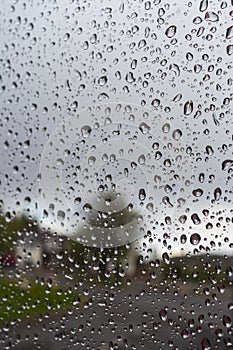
60 58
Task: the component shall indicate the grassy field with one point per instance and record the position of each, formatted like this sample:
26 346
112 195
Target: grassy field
25 299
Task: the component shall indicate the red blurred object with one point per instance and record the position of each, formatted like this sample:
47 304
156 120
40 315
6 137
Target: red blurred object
7 260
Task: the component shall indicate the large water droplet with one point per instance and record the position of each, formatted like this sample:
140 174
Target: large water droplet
177 98
102 80
198 192
163 314
86 131
217 193
195 238
142 194
226 321
226 164
144 128
211 16
195 219
155 103
170 31
166 128
229 32
177 133
203 5
183 239
230 50
61 215
130 78
205 343
188 107
166 201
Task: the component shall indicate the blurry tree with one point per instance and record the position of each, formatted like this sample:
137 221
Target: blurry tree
10 226
104 262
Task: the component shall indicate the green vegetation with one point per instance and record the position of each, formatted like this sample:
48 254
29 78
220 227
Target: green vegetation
20 300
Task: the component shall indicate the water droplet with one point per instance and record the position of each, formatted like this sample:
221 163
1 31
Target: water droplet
183 239
91 161
141 159
227 164
211 16
155 103
195 238
185 333
175 68
198 192
177 98
217 193
203 5
144 128
142 194
87 208
166 201
188 107
158 155
130 78
230 50
195 219
170 31
177 134
226 321
229 32
163 314
166 128
166 258
205 343
157 179
86 131
102 80
66 37
61 215
197 68
183 219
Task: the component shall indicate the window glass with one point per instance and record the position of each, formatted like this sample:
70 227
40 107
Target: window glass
116 175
